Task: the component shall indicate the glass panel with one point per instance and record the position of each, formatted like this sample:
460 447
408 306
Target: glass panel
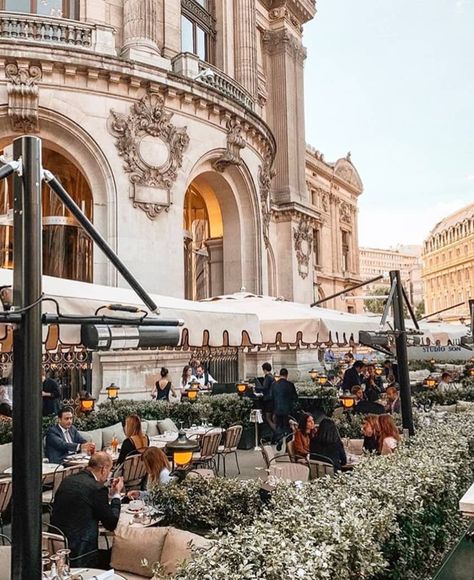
73 12
201 43
18 5
50 8
187 44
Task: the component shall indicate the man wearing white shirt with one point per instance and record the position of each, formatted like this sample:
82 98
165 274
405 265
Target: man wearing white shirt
204 378
64 439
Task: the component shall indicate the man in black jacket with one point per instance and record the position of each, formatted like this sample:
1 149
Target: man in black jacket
81 502
266 390
284 398
353 376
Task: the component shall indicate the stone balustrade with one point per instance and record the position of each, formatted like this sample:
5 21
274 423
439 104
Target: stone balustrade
225 85
56 31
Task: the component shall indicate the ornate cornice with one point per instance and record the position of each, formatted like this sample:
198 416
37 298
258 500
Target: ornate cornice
150 163
235 142
277 41
22 89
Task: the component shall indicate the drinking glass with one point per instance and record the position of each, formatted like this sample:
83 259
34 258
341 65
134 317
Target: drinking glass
63 565
204 422
45 562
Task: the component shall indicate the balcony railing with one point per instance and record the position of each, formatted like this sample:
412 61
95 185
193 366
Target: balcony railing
225 85
57 31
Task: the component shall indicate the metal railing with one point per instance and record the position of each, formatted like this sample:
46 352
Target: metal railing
30 27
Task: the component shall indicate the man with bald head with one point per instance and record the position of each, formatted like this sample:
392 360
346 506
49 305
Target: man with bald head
81 502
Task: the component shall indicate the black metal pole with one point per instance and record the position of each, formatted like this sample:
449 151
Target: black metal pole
371 281
27 350
402 353
99 240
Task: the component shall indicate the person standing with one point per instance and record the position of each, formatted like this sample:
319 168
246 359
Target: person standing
81 502
51 392
353 376
267 399
284 398
163 387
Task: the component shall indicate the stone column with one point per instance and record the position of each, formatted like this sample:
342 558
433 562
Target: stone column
245 30
215 247
141 30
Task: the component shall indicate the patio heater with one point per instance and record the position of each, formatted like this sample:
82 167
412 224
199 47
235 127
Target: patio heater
26 316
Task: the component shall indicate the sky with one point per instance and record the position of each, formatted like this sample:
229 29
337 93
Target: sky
392 81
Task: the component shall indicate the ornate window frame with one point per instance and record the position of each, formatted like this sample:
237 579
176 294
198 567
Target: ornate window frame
66 5
203 18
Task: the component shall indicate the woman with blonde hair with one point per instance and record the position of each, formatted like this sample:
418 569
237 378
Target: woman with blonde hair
158 471
388 435
136 440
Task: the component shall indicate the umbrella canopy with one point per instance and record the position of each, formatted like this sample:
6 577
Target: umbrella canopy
203 325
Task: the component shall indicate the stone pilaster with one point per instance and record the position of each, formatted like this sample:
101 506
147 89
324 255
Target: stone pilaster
286 56
246 44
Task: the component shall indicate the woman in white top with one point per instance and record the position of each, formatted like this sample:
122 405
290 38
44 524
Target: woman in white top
186 378
388 435
158 471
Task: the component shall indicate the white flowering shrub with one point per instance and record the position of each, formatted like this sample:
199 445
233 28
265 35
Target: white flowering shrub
390 519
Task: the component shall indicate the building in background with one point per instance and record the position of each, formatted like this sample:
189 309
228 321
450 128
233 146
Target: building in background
334 189
375 262
448 265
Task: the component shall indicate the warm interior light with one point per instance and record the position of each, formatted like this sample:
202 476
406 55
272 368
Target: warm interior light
182 458
241 387
322 380
430 382
87 405
347 402
192 394
112 391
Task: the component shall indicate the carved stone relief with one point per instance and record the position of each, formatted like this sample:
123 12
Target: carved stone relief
235 142
22 89
279 40
303 239
265 175
345 173
345 212
152 149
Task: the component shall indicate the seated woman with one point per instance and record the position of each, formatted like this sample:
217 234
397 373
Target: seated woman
303 435
327 442
135 441
186 378
158 471
370 427
163 387
388 435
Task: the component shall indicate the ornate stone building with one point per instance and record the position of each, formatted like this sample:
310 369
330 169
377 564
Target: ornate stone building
448 265
334 189
178 127
375 262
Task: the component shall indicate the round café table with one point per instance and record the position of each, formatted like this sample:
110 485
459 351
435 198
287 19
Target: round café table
94 573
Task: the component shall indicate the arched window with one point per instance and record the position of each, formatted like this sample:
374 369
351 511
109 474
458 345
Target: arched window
198 28
67 251
55 8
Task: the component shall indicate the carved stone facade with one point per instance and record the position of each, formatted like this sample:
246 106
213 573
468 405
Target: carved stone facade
22 88
303 238
235 143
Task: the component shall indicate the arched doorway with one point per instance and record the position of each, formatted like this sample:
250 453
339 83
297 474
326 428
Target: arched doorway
203 234
67 251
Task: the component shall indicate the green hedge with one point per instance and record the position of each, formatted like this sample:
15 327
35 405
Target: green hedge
391 519
222 410
465 392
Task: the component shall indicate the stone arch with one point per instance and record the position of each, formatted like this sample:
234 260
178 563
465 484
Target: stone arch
66 137
234 189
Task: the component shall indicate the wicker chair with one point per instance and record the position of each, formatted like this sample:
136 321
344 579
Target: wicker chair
231 441
5 497
320 466
209 444
132 470
54 480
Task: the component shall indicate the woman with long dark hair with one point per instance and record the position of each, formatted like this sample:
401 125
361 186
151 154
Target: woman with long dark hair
327 442
163 387
303 435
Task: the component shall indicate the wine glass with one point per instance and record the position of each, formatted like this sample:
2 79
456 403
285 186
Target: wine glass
63 565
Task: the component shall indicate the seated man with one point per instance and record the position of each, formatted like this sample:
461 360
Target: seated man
81 502
363 406
393 400
63 439
204 378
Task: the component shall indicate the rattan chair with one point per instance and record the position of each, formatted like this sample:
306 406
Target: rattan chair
287 470
132 470
320 466
5 497
209 444
55 479
231 441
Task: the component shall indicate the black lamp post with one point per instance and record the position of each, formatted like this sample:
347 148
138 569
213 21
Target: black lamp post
182 450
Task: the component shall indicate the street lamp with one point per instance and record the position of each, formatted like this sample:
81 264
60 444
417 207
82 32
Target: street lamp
112 391
322 380
313 373
241 387
182 449
378 370
86 404
193 390
430 382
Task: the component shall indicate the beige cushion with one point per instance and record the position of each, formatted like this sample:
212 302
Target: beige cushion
94 436
144 427
445 408
109 432
132 545
465 406
5 456
152 429
178 548
356 446
5 559
166 425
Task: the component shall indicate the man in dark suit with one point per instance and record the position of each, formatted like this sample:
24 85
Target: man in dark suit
284 398
265 389
63 439
363 406
51 393
81 502
353 376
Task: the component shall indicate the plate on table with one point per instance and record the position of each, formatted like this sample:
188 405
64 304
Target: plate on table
135 506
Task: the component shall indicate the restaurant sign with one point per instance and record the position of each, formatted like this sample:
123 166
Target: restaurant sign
440 353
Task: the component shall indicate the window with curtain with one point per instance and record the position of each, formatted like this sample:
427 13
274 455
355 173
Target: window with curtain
54 8
198 28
